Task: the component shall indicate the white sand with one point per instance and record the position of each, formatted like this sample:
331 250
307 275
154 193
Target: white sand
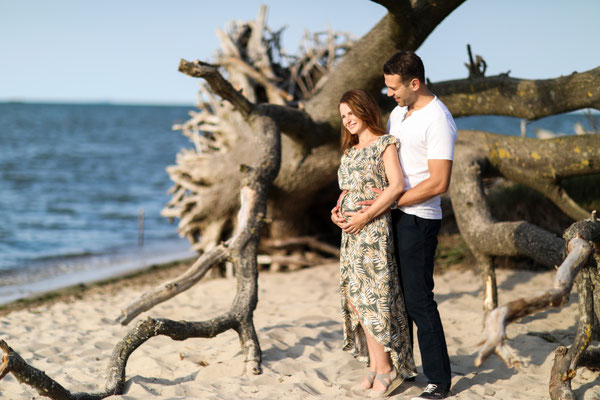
298 323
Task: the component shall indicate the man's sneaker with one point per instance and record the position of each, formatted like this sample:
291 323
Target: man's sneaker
433 391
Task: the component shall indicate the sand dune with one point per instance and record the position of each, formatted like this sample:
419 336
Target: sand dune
299 328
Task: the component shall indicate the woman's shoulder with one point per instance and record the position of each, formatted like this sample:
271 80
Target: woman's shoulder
381 143
385 140
387 137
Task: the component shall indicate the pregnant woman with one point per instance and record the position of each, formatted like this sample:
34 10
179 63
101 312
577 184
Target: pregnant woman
375 326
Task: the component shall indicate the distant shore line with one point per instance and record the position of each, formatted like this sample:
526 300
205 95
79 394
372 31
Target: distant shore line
153 274
93 103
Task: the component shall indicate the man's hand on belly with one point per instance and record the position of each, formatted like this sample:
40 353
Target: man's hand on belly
367 203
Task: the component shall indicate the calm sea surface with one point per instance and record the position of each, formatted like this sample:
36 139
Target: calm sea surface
73 179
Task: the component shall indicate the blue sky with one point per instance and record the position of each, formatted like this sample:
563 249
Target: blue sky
127 51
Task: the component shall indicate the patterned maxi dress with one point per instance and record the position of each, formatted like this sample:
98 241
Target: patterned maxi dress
368 274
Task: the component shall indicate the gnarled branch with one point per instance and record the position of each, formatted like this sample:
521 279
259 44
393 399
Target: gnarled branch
499 318
170 289
522 98
14 364
580 267
200 69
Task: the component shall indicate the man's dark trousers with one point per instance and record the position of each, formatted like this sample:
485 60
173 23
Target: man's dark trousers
415 241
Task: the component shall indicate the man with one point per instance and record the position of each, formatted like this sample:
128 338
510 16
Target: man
427 133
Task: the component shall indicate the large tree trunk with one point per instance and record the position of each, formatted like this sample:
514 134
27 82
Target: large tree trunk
309 121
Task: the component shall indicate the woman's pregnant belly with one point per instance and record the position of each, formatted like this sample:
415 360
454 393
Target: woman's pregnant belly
349 202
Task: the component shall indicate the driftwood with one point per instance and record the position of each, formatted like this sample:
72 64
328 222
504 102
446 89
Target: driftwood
206 178
14 364
523 98
293 260
475 66
310 242
219 254
580 267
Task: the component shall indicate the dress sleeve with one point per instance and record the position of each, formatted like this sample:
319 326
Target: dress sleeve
384 141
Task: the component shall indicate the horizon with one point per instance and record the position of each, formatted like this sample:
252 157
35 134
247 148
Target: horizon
595 113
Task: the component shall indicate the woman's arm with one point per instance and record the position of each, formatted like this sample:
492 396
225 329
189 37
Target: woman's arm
390 194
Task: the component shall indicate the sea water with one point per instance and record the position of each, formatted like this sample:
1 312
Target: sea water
74 180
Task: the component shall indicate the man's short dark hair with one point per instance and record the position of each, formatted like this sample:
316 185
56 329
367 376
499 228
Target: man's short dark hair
406 64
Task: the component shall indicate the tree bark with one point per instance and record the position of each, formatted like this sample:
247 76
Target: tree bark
561 389
522 98
567 361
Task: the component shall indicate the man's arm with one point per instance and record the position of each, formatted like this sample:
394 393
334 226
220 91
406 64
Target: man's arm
437 183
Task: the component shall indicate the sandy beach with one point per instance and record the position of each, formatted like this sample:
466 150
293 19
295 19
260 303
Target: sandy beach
300 331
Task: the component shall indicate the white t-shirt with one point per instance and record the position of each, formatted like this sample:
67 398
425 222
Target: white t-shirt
427 134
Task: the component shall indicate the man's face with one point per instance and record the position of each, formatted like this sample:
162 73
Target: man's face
403 92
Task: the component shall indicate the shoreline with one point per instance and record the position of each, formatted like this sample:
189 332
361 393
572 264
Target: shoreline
58 272
151 274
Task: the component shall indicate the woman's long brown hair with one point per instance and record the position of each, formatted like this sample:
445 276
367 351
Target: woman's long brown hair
364 107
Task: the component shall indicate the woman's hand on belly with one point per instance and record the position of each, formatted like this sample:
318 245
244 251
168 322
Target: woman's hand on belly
336 216
336 212
358 220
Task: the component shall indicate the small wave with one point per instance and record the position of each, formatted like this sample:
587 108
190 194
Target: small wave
119 216
61 210
65 256
114 197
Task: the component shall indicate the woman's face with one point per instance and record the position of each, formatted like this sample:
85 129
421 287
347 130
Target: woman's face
353 124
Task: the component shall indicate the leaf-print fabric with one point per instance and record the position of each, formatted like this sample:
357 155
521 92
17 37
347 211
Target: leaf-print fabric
368 275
